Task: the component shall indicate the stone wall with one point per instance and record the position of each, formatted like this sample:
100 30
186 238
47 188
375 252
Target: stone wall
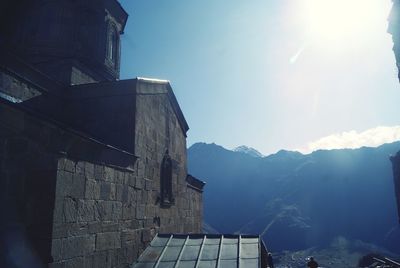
27 184
100 215
105 216
69 208
158 129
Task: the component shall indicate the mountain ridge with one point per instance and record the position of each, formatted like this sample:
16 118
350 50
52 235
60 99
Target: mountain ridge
248 150
299 194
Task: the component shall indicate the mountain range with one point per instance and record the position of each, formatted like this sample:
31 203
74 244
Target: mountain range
298 201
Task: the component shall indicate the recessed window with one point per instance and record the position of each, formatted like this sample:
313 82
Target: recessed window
113 45
166 180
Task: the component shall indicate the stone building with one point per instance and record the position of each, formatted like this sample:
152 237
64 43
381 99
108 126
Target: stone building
91 167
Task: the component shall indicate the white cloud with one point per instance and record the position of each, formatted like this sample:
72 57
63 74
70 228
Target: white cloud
352 139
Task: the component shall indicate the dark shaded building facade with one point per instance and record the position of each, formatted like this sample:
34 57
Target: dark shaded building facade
91 167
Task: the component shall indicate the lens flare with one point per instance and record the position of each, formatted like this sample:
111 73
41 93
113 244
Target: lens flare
334 20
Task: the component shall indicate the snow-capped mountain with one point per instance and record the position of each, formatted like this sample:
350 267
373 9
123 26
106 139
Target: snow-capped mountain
248 150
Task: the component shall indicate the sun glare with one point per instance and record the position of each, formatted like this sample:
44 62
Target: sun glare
334 20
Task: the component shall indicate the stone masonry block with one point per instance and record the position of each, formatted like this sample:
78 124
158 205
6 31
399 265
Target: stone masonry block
150 211
75 262
56 249
128 211
109 210
68 184
127 254
148 185
70 210
57 265
113 191
110 240
89 170
129 195
140 170
105 190
119 177
76 229
110 227
109 174
86 210
98 172
59 231
131 179
78 246
139 183
132 195
64 182
80 168
140 212
125 192
107 259
119 189
92 189
147 235
66 165
58 214
129 236
99 260
95 227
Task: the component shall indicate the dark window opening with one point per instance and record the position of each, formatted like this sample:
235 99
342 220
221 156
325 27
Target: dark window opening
113 45
166 181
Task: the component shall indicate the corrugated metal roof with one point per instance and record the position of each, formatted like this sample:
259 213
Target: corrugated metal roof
203 251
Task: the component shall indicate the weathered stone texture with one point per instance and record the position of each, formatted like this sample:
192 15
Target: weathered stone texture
16 90
118 208
111 240
84 212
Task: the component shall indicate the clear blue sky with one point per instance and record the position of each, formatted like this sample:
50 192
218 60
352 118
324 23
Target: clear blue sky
271 74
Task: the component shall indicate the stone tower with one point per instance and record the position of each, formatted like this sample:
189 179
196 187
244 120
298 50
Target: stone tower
73 42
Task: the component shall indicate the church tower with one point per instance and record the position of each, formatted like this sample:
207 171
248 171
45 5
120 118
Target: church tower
72 41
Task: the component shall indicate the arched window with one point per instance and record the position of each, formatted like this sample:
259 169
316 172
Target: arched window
113 45
166 180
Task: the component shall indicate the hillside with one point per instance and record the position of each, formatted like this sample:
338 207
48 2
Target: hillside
300 201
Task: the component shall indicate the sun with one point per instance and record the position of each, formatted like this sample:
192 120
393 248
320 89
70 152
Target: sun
335 20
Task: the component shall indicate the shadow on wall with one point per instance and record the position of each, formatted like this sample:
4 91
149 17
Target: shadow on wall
27 203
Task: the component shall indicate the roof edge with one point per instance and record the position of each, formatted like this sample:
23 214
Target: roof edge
195 183
172 98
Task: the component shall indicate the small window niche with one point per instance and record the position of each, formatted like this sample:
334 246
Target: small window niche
166 196
113 45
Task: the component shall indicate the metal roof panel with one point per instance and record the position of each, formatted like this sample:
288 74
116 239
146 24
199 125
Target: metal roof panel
212 240
151 254
187 264
249 251
249 263
229 251
170 264
210 252
159 241
207 264
202 251
227 263
171 254
190 253
195 241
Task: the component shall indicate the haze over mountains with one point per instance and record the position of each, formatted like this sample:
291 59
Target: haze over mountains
299 201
